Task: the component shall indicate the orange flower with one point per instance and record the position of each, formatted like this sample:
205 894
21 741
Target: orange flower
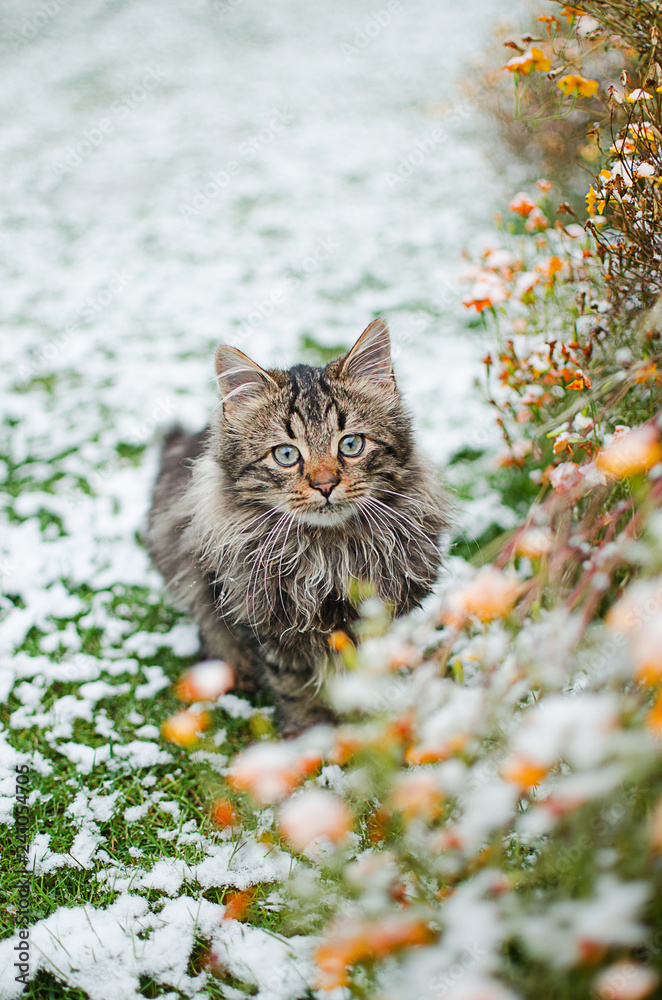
562 443
313 814
238 903
524 773
574 85
550 267
524 286
535 543
647 651
536 222
406 656
270 771
364 941
491 594
548 20
647 370
488 291
627 614
654 717
522 204
347 746
183 727
223 813
205 681
625 980
428 754
544 184
417 793
339 641
633 452
570 13
580 381
533 60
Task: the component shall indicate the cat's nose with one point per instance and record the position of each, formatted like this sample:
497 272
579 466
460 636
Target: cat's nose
324 480
325 488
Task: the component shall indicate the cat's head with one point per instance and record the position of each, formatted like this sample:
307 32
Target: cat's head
317 442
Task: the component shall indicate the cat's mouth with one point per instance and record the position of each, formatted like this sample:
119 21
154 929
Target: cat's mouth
328 515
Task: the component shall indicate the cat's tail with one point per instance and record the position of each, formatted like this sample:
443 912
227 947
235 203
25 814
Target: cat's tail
180 448
178 452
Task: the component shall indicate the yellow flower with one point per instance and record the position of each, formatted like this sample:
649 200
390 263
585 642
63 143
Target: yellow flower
491 594
535 543
417 794
524 773
646 651
643 131
591 199
581 381
577 86
534 59
647 371
570 12
183 727
635 451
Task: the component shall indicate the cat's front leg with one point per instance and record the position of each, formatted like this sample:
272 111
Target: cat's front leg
296 689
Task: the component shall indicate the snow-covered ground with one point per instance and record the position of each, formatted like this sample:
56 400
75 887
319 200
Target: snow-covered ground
175 176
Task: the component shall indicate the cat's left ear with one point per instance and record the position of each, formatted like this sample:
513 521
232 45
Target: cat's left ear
370 358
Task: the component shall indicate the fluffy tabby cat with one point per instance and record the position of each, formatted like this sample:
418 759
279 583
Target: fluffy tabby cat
306 480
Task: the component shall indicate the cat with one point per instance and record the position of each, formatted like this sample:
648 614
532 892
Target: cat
305 481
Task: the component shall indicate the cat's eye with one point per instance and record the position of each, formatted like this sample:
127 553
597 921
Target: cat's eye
286 454
351 445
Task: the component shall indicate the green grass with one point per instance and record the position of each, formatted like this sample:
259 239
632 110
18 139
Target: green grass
189 783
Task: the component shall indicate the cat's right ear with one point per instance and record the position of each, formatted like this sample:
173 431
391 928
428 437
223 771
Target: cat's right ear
239 379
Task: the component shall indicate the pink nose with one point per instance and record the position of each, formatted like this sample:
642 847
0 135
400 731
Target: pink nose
325 488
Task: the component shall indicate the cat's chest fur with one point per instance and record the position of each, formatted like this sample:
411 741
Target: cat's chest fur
285 579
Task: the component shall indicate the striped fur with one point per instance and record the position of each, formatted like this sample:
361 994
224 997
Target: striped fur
263 556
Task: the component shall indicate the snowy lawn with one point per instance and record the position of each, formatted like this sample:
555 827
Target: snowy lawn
270 175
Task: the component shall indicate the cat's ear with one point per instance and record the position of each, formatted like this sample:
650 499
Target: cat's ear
239 378
370 358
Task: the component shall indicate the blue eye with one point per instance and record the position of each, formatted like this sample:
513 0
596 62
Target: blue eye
286 454
351 445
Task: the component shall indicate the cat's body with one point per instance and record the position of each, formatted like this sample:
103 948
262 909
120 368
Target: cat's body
308 480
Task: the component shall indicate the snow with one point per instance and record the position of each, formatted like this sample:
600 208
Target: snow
243 865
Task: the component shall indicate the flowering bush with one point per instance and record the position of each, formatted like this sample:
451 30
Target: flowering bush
487 821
